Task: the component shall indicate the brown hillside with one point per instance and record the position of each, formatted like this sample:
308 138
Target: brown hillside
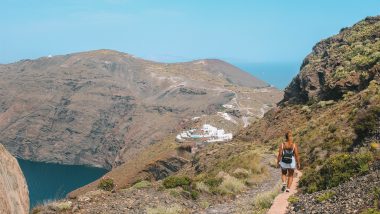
101 107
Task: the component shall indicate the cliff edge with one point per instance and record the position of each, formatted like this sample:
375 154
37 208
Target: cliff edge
14 194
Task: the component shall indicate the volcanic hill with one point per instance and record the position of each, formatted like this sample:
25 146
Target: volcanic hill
101 107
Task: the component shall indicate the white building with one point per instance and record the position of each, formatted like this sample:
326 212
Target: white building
208 132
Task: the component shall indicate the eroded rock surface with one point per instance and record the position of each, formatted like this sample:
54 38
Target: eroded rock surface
14 195
345 62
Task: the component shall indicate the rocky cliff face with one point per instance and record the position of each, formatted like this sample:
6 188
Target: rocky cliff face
342 63
332 107
100 107
14 195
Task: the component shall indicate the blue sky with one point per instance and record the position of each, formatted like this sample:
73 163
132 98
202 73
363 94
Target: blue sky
175 30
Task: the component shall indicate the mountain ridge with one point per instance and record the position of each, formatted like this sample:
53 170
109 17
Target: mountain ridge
109 104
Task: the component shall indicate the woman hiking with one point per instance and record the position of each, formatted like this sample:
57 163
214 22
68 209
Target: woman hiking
288 159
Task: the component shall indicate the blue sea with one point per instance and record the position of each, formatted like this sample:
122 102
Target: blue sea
279 74
48 181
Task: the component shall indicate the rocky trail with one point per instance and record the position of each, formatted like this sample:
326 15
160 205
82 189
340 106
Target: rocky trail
244 203
280 203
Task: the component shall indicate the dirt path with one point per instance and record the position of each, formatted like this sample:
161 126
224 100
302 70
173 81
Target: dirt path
244 202
280 203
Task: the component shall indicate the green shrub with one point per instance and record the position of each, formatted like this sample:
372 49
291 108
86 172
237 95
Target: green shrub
367 121
142 185
362 61
376 193
190 194
325 196
176 181
213 182
332 128
370 211
335 170
194 194
376 196
106 184
293 199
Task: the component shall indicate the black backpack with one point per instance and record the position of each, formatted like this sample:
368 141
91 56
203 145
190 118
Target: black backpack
287 155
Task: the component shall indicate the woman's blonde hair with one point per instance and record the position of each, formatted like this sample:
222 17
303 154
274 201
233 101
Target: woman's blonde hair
288 136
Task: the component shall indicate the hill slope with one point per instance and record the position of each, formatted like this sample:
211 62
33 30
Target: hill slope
100 107
345 62
335 125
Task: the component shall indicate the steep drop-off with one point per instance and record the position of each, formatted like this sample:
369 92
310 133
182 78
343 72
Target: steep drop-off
14 194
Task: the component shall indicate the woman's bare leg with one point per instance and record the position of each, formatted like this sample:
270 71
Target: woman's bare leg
290 177
283 175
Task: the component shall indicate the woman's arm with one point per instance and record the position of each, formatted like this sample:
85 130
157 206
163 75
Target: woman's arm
297 157
279 155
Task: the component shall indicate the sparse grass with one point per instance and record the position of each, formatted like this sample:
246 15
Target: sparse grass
47 206
255 179
202 187
175 193
63 206
231 185
142 185
174 209
36 210
249 160
241 173
204 204
325 196
106 184
263 201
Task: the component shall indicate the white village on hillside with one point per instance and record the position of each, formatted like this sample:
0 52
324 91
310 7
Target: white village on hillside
207 133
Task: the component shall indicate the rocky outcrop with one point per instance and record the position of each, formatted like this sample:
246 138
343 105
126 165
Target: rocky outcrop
101 107
345 62
14 194
332 107
163 168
